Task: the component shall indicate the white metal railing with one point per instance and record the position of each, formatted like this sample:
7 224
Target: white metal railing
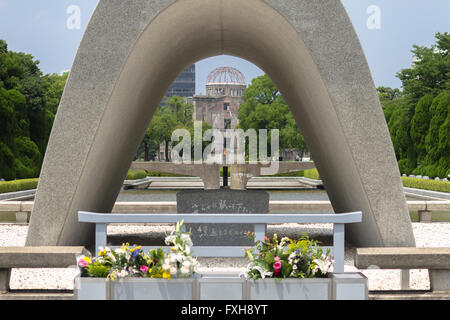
101 220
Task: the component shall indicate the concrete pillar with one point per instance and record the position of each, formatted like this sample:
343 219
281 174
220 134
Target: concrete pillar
425 216
314 57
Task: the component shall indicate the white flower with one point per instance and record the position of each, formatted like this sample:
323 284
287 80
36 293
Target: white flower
284 240
186 263
173 258
324 265
123 274
166 266
185 270
119 251
170 239
179 257
262 272
173 270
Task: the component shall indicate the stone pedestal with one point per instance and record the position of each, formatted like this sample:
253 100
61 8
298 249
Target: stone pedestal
439 280
425 216
221 201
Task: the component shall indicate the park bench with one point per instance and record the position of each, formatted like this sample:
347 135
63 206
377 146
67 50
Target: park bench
436 260
35 257
101 220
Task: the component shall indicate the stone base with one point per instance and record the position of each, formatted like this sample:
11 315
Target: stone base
425 216
440 280
351 286
5 276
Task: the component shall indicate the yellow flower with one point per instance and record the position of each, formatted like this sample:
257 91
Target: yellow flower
137 248
87 259
166 275
102 253
112 275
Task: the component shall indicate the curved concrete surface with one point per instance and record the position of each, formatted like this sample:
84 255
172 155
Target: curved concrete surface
131 52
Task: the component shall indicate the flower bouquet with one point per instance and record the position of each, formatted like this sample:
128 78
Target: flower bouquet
287 258
130 273
133 262
289 269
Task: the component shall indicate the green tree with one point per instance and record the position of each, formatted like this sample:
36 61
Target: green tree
387 93
28 101
431 73
174 114
161 127
54 86
265 108
399 127
420 124
437 161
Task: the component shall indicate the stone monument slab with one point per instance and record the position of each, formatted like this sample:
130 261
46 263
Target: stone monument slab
221 201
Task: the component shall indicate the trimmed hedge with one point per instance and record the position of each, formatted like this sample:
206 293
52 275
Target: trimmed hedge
18 185
136 174
289 174
164 174
433 185
312 174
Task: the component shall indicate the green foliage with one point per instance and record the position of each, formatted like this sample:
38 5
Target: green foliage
164 174
420 124
98 270
54 86
290 174
431 73
436 140
136 174
433 185
175 114
7 168
399 128
312 174
28 158
18 185
28 102
386 93
265 108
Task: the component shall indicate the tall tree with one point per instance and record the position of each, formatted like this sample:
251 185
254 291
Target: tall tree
26 114
431 71
265 108
420 124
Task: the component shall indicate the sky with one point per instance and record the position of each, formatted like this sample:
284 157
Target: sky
388 31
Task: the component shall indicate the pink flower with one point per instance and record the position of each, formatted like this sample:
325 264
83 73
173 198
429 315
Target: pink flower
277 272
82 263
277 265
277 258
144 269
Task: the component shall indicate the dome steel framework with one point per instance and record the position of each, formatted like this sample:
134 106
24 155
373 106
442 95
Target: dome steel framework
226 75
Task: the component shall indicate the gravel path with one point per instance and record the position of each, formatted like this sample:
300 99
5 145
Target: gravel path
427 235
